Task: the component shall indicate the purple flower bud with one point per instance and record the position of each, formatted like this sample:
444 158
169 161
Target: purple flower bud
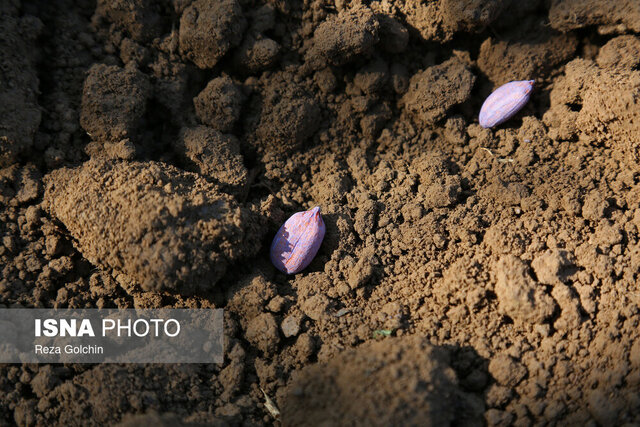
297 242
504 102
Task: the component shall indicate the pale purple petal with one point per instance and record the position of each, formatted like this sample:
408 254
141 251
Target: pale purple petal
298 241
505 102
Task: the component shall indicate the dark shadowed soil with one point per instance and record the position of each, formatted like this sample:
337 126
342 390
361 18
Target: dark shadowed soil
149 151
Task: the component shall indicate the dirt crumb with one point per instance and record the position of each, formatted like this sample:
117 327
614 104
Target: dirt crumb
435 90
620 52
219 104
372 77
437 185
114 102
208 30
256 54
213 155
289 117
552 266
262 332
45 380
123 149
496 417
139 18
29 184
507 371
520 297
315 307
394 37
249 297
134 54
570 317
343 37
610 17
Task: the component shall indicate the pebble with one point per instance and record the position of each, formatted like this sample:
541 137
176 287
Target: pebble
507 371
291 326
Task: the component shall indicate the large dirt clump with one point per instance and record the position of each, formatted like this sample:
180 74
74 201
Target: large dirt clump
609 16
599 104
440 20
525 58
164 228
369 383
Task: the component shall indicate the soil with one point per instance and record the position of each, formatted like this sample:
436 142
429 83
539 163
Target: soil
149 151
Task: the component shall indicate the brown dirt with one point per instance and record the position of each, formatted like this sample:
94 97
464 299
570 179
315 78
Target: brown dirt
151 149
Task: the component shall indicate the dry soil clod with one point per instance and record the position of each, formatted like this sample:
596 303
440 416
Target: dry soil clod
164 228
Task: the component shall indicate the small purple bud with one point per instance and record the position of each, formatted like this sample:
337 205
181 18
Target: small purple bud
297 242
505 102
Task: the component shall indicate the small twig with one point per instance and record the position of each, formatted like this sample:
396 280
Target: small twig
342 312
271 407
500 159
504 160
